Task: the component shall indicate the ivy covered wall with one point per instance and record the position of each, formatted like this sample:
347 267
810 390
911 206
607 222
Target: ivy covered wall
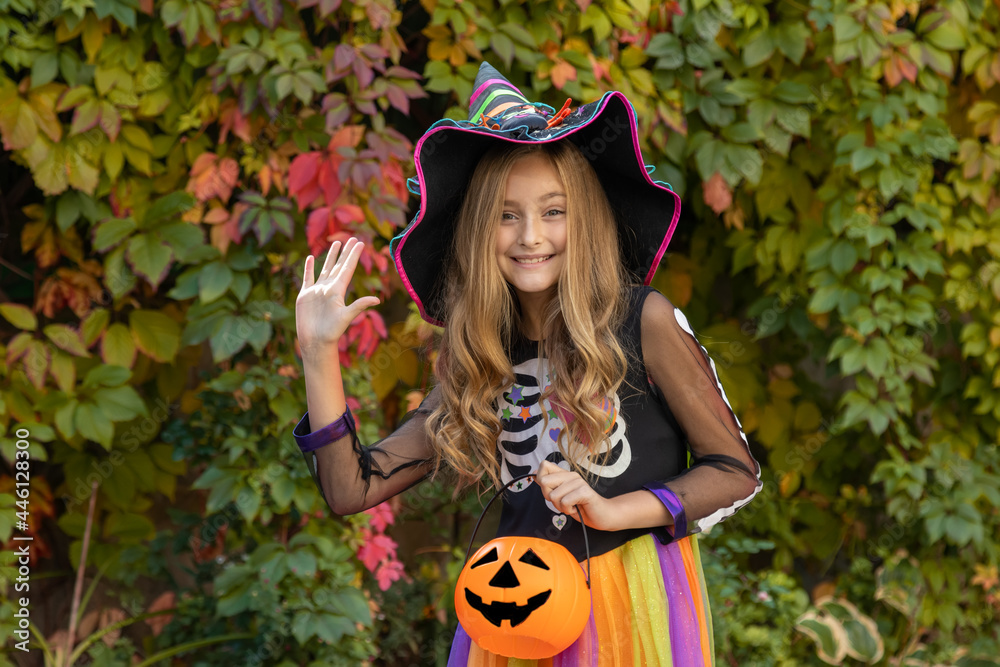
166 167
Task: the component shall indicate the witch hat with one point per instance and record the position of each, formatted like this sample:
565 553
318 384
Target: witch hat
606 133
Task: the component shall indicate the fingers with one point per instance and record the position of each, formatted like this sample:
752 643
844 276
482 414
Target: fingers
329 263
564 489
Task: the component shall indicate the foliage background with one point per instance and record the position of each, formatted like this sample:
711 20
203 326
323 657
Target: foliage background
166 167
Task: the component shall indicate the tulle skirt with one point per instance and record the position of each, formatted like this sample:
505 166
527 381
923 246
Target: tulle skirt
649 607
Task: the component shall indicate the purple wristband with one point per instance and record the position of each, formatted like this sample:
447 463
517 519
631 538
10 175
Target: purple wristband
673 505
332 432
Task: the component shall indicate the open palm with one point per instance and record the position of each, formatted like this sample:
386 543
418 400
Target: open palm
321 313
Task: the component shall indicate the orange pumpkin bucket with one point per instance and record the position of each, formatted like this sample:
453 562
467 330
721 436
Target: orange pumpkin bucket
523 597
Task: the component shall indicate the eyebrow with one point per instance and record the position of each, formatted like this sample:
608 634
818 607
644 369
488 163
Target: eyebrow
542 198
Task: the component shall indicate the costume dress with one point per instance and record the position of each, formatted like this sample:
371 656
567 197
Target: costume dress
649 600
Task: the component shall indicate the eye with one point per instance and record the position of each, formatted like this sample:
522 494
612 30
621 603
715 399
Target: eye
490 557
531 558
555 211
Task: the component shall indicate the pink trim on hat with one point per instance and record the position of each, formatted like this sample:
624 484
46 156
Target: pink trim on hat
397 257
486 83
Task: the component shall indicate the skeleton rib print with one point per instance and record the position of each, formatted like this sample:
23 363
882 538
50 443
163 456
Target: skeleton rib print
530 429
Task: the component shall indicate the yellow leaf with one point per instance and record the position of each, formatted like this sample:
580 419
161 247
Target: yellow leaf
783 388
807 416
438 50
17 124
774 423
48 166
63 370
43 104
384 377
790 483
118 346
93 35
114 160
438 32
457 56
679 288
80 173
64 34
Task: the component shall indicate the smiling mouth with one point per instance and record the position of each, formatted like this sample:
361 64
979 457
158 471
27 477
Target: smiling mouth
515 614
534 260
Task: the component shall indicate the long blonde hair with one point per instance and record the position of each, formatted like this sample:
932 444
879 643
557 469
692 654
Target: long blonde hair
587 361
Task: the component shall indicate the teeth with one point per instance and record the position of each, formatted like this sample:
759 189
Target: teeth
532 261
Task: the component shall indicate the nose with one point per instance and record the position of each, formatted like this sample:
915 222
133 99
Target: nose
531 231
505 577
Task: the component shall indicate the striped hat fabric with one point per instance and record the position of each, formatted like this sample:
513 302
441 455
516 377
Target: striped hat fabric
606 133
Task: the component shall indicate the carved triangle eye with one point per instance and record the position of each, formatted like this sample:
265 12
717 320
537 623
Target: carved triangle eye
490 557
531 558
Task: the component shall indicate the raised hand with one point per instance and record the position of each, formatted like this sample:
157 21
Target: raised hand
321 313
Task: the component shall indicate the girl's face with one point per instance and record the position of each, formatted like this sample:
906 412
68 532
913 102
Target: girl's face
531 238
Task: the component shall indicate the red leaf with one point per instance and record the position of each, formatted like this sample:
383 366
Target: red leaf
267 12
717 193
343 56
317 228
562 73
227 174
378 323
395 182
302 179
327 178
348 213
349 135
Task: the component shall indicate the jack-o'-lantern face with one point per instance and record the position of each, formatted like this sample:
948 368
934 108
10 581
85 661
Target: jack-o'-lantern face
523 597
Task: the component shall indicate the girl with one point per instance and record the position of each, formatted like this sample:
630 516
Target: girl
555 360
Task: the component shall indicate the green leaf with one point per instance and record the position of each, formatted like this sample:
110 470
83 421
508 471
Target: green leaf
843 257
168 206
791 39
824 299
229 339
150 257
759 50
302 563
120 403
947 36
281 492
44 67
828 633
863 158
118 346
845 28
793 93
92 424
213 281
20 316
65 419
352 604
67 210
519 34
106 376
156 334
503 46
163 457
111 232
129 527
746 89
66 338
794 119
